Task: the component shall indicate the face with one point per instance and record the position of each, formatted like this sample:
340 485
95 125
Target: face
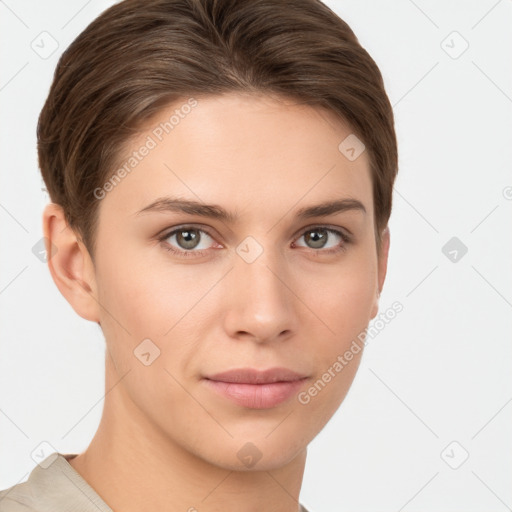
185 296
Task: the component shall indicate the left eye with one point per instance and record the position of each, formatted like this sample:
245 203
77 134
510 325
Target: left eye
188 239
319 235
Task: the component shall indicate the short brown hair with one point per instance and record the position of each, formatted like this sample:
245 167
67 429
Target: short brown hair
139 56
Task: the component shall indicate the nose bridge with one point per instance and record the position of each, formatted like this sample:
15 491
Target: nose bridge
260 299
258 265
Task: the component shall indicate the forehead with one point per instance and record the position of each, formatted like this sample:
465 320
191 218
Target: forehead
256 154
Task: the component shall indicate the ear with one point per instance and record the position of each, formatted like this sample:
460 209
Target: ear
382 267
70 264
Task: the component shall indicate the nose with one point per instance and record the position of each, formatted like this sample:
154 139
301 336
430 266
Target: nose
260 301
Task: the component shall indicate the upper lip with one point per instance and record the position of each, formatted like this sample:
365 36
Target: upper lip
254 376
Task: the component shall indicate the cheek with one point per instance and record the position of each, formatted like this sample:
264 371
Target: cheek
342 298
345 308
343 303
137 293
143 313
140 302
129 310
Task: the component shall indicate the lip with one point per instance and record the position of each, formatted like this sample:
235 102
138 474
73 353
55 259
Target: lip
254 376
256 389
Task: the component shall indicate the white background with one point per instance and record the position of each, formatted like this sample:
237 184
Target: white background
439 372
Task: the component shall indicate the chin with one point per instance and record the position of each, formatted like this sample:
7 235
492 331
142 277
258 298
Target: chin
260 454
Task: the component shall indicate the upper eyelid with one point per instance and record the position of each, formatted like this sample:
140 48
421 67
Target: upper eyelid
166 233
326 226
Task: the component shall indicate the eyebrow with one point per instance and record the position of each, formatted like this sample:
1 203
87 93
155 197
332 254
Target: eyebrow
171 204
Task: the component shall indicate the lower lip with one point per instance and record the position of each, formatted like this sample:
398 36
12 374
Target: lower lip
256 396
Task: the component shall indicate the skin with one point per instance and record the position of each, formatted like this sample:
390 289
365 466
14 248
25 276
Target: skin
165 441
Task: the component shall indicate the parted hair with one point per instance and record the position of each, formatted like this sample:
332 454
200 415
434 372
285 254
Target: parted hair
140 56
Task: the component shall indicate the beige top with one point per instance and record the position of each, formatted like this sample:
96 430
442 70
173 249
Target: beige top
55 486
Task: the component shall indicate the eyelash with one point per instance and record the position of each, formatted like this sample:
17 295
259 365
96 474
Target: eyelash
197 254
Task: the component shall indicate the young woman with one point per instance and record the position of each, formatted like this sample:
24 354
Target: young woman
221 176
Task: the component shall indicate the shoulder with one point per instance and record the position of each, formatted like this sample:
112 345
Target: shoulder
18 498
51 486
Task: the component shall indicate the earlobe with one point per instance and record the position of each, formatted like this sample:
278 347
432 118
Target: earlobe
70 264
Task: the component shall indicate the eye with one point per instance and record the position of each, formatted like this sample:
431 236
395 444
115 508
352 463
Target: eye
318 236
189 239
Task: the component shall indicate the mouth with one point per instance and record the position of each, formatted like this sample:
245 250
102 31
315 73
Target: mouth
256 389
